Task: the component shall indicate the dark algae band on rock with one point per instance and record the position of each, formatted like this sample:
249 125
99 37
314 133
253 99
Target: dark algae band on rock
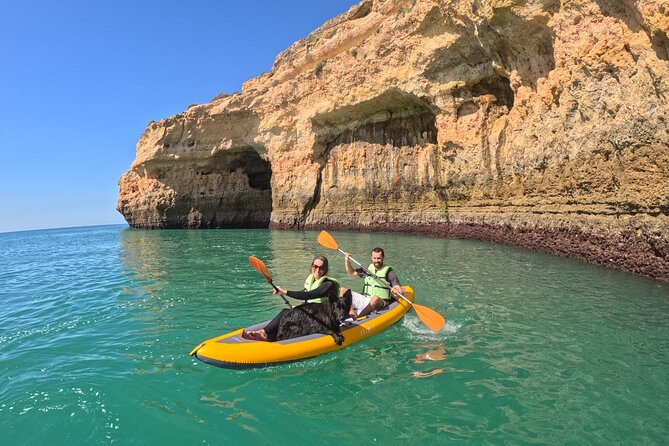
634 252
532 123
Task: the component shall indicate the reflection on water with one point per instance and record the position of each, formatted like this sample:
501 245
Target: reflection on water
435 352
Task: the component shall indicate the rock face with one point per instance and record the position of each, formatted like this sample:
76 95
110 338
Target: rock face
538 123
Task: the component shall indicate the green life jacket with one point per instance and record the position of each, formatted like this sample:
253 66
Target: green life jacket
374 288
311 284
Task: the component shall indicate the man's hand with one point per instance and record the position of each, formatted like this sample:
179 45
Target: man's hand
397 289
347 263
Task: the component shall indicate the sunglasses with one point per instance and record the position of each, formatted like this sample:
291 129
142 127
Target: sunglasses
321 267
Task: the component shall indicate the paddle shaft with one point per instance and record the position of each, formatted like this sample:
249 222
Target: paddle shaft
269 280
377 278
282 296
260 266
431 318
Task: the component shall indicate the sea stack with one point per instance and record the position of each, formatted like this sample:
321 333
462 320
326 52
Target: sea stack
537 123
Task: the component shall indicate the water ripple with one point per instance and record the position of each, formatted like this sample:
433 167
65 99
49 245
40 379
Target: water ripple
96 325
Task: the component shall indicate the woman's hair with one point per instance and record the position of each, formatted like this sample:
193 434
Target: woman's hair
324 260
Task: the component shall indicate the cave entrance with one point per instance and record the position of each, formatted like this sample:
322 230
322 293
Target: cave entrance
394 118
410 130
246 160
241 189
371 154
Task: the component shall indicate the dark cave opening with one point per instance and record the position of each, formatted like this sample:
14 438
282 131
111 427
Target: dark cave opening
249 161
404 131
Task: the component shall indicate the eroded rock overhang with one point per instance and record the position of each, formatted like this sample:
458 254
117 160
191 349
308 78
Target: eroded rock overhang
377 163
535 123
199 171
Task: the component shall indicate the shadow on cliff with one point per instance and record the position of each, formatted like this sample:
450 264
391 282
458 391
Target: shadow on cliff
628 12
488 51
370 153
233 190
205 173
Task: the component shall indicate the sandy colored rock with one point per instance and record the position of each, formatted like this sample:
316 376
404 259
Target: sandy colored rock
537 123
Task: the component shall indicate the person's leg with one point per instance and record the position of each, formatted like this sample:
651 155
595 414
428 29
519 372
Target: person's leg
256 335
372 305
358 303
269 332
375 304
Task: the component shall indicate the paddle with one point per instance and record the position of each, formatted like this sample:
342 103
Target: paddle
431 318
259 266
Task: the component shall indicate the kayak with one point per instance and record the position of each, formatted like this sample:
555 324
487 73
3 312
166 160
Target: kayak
231 351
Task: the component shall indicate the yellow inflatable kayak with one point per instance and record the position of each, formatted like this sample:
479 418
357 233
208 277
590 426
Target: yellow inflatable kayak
231 351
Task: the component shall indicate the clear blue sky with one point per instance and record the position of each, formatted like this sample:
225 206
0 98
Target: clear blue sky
80 80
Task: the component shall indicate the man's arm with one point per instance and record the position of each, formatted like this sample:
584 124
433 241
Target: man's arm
395 283
347 263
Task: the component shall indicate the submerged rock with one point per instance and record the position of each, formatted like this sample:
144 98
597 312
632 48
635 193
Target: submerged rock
537 123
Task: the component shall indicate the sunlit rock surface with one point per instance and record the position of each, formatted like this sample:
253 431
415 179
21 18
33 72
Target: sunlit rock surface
537 123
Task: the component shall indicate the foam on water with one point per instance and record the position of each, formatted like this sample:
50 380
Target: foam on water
415 325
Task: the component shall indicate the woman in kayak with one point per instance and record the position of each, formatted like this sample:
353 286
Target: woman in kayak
317 288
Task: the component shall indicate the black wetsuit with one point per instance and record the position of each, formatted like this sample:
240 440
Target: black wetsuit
326 290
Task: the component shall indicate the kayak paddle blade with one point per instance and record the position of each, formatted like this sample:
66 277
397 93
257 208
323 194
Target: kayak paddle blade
327 241
431 318
259 266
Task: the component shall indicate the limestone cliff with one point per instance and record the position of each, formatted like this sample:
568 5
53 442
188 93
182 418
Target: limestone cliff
539 123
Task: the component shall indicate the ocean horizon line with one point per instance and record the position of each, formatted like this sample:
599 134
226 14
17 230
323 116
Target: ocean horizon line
60 228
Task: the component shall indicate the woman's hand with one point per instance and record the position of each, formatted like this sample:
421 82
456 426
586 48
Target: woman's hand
280 291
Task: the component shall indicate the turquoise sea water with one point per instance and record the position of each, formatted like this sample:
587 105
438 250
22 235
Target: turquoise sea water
96 325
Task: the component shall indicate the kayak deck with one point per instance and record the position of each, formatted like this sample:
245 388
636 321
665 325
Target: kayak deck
232 351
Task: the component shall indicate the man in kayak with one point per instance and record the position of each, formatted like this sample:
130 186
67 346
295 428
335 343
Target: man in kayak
318 288
375 296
